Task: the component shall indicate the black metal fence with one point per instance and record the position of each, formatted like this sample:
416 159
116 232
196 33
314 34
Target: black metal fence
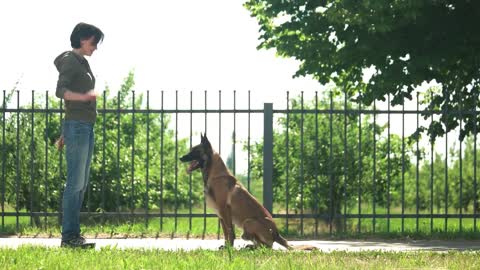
322 165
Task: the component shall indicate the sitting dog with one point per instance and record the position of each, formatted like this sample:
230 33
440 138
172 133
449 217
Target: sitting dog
231 201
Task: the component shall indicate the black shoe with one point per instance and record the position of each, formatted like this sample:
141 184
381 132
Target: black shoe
77 242
81 239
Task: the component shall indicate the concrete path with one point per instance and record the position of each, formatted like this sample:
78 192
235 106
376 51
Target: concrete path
191 244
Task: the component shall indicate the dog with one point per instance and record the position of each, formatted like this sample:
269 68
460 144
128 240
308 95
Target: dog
231 201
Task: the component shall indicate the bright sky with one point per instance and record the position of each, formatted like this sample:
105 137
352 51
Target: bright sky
171 45
187 45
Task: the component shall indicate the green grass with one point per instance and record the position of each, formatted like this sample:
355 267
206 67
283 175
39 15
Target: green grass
138 228
28 257
95 227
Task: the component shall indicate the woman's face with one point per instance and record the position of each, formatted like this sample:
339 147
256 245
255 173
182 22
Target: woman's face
88 46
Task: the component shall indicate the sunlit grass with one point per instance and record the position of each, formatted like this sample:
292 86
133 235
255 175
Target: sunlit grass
198 227
28 257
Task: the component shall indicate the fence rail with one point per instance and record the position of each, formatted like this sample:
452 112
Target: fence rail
325 165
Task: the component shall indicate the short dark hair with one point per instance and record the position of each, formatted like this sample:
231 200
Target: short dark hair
84 31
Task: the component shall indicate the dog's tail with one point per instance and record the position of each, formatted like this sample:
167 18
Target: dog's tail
304 247
282 241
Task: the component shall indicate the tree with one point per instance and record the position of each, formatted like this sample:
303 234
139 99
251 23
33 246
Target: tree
168 184
431 183
331 180
462 182
454 187
34 172
30 177
406 43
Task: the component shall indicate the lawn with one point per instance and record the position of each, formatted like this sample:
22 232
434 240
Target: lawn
185 227
210 228
28 257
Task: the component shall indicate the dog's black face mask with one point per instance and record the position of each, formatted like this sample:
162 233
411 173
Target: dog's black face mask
198 155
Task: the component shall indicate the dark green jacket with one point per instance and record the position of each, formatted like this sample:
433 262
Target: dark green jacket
75 75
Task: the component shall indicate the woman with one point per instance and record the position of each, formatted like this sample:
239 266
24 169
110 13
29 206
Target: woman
76 85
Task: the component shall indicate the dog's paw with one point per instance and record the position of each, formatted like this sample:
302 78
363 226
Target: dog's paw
250 247
224 247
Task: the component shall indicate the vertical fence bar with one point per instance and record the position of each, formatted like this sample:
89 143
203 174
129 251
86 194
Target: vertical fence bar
431 173
204 201
330 169
17 161
359 229
374 180
287 160
234 129
248 145
132 168
176 161
446 176
461 175
316 165
162 154
4 158
475 203
62 177
147 169
104 135
89 189
190 175
460 189
46 153
417 170
431 186
268 156
389 164
103 155
403 168
302 150
117 186
220 122
345 170
32 158
219 142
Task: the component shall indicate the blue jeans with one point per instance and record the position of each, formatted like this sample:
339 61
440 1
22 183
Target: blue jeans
78 138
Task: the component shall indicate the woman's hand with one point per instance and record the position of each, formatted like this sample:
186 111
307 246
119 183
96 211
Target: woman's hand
60 143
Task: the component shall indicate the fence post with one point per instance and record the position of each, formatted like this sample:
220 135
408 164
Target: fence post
268 156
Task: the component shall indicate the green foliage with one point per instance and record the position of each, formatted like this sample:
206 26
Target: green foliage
453 187
30 166
405 43
340 174
118 178
461 180
168 183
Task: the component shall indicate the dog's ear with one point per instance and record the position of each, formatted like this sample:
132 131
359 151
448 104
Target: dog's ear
205 142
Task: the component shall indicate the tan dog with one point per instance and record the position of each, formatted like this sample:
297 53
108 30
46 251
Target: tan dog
232 203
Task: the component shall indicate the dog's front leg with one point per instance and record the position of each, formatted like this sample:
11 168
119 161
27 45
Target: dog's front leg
225 234
227 226
224 229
